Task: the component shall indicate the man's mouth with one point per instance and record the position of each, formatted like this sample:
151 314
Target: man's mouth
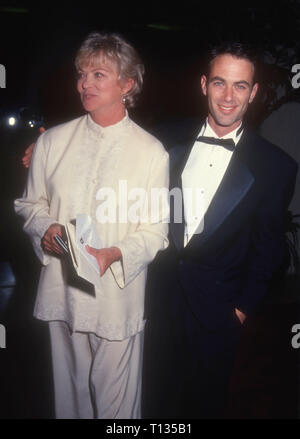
226 109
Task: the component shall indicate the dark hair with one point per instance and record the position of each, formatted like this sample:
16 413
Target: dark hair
236 49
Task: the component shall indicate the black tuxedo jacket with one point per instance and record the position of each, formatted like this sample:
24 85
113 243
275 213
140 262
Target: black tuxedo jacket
232 262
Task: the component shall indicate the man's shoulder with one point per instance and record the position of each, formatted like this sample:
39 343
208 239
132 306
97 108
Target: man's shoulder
177 135
270 154
177 132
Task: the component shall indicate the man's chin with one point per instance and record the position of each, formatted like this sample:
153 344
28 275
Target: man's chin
226 122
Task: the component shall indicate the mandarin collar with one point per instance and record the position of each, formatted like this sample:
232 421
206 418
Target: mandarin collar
110 130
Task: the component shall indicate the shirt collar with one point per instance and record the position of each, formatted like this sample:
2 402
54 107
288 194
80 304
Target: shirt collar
114 129
234 134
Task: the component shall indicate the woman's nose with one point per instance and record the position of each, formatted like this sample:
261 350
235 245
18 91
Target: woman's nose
86 81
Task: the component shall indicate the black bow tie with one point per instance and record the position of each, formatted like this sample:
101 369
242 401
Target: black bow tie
226 143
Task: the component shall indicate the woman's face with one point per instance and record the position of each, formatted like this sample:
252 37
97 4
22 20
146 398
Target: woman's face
101 91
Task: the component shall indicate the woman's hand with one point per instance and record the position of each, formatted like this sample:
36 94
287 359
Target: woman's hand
105 256
48 242
241 316
26 159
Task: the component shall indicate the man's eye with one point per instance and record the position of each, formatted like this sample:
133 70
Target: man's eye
241 87
218 83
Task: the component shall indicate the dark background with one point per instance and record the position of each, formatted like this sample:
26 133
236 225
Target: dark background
37 46
38 42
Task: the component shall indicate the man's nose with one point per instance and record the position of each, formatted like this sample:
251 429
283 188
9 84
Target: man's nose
228 94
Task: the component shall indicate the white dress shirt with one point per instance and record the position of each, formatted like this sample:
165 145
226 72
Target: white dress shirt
202 176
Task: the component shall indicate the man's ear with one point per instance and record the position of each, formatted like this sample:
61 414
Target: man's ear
203 84
253 92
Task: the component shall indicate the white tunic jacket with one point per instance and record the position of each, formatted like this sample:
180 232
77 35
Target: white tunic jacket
70 163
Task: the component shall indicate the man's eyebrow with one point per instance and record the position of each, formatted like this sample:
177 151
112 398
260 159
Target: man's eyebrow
219 78
216 78
243 82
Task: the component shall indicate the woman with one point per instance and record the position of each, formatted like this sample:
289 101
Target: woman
96 333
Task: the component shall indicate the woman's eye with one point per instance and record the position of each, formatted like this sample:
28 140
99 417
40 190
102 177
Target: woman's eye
99 74
79 75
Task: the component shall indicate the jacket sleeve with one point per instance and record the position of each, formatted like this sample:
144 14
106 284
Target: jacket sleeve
140 247
268 248
34 204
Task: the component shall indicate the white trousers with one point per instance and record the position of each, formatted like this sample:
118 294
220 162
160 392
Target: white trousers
94 377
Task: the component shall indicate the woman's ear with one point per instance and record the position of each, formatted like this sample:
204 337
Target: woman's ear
127 85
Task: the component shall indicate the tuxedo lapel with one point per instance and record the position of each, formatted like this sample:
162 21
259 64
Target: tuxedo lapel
235 184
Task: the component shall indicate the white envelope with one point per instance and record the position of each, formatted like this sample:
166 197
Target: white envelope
83 234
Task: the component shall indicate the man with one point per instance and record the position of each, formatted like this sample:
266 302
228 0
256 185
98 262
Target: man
220 261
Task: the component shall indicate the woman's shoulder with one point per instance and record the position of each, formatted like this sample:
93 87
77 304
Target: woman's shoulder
144 139
64 129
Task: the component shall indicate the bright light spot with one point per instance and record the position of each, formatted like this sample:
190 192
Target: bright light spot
12 121
31 123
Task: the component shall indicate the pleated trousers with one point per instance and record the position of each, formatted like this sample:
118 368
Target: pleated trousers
95 378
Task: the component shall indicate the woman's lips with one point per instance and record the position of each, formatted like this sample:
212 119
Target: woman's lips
88 96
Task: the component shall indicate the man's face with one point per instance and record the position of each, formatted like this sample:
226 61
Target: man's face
229 90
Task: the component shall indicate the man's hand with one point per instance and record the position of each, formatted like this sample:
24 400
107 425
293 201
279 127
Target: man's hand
105 256
26 159
48 242
241 316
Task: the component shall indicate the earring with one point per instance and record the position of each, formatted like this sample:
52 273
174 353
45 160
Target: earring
124 100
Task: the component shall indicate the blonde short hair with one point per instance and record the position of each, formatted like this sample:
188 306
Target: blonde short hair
115 48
